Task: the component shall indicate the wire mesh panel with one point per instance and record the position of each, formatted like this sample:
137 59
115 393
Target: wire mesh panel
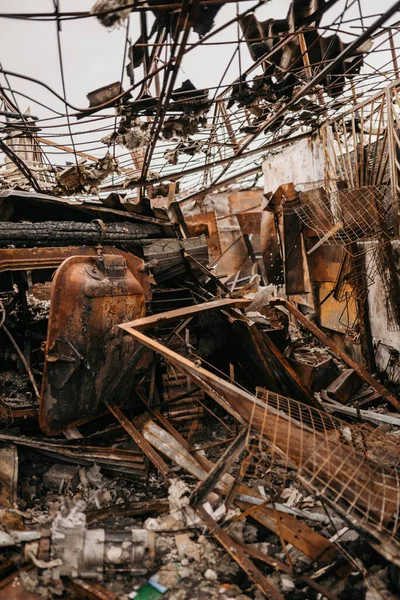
356 275
362 145
388 359
357 144
354 278
351 466
345 216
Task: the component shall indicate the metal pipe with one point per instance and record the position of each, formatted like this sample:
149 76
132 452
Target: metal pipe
22 166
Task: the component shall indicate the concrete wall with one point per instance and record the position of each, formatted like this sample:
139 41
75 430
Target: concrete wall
301 162
379 323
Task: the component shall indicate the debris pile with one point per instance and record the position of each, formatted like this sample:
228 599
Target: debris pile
164 431
200 382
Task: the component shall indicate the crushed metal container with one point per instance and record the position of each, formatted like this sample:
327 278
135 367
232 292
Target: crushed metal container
85 349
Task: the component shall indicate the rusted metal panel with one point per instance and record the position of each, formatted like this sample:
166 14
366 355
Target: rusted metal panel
258 356
320 335
85 350
104 94
231 260
314 375
23 259
325 262
206 223
345 386
250 222
169 254
339 316
245 200
296 268
271 248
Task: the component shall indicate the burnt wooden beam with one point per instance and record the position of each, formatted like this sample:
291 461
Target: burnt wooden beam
70 233
205 487
138 438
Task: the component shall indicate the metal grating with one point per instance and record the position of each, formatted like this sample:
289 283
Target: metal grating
350 466
345 216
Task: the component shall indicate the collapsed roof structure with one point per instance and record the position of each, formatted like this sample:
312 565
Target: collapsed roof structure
200 301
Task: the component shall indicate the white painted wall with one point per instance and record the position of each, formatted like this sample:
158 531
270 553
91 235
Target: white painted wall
301 162
379 322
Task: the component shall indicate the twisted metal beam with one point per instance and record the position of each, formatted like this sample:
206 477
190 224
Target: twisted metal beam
22 166
348 51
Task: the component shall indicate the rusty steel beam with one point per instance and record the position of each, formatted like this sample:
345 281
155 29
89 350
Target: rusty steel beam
180 313
207 272
26 259
231 454
185 21
69 150
322 337
174 446
214 386
280 566
148 322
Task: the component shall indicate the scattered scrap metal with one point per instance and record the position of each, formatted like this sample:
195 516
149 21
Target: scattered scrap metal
154 420
183 414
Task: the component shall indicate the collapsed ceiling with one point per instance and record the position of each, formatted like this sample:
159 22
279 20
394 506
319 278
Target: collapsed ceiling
285 77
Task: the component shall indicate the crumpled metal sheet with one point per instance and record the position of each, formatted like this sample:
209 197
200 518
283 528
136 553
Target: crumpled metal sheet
85 351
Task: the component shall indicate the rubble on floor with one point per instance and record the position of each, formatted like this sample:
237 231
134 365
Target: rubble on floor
166 435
